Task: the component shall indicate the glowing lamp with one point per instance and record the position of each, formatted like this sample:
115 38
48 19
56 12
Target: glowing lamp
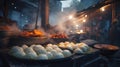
81 31
77 25
70 17
84 20
102 9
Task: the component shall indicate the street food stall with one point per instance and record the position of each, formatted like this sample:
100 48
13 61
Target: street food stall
72 43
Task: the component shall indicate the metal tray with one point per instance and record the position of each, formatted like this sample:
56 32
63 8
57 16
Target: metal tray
40 61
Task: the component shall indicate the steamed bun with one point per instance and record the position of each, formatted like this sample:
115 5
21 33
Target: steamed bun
58 50
39 50
58 56
42 57
66 53
38 46
16 49
49 55
78 50
30 55
49 49
54 52
24 46
54 46
28 50
49 45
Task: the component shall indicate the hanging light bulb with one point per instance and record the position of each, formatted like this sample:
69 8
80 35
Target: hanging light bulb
102 9
81 31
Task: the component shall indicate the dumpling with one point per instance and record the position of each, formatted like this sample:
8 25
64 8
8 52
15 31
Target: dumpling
49 45
86 46
84 49
54 52
58 56
58 50
70 47
66 53
81 44
24 46
30 55
54 46
29 50
16 49
42 57
40 50
17 52
78 51
72 43
49 55
62 45
38 46
49 49
75 46
67 42
32 45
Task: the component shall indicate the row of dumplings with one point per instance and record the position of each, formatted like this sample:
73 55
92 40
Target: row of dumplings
79 48
38 52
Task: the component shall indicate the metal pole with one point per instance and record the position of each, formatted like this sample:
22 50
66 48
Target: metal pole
38 10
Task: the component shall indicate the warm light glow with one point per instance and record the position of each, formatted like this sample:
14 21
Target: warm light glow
81 31
34 33
85 15
70 17
71 31
84 20
102 9
74 22
77 25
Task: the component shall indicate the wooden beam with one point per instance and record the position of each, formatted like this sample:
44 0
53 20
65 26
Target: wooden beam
45 14
113 13
5 10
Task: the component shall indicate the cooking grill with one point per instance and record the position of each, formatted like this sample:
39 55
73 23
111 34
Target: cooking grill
27 40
